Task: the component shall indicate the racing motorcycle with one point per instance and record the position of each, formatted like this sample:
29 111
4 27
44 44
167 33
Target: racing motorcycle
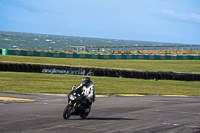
77 105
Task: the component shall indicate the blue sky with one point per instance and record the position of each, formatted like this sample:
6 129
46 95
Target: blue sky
173 21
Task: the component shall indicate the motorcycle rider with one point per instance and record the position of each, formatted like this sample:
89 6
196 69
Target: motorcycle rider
88 90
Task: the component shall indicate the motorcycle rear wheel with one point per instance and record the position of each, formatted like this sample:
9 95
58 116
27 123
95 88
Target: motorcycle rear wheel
66 112
84 112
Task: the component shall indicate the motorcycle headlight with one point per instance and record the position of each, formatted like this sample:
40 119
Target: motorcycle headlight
72 97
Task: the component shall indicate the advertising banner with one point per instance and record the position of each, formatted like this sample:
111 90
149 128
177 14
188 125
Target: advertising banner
74 71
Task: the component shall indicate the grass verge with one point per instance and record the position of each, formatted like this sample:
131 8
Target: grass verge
61 84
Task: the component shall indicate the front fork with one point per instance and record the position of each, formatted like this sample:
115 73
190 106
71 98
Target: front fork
70 102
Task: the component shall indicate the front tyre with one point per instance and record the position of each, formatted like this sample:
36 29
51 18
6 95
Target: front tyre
66 112
84 112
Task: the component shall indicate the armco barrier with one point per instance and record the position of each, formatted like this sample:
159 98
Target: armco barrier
98 56
51 69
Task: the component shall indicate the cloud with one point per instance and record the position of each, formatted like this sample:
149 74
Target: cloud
19 4
192 17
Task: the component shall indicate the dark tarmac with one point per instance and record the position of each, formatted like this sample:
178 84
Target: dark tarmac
132 114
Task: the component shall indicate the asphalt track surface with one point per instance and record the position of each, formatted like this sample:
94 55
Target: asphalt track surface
135 114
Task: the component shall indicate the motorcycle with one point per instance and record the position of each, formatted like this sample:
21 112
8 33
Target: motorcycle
77 105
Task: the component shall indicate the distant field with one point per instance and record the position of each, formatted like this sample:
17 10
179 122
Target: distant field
144 65
62 83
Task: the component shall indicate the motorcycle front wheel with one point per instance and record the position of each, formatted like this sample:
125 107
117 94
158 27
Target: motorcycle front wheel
66 112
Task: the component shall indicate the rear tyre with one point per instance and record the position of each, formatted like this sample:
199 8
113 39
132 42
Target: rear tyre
66 112
84 112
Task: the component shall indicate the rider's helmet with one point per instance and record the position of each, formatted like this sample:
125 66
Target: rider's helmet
86 81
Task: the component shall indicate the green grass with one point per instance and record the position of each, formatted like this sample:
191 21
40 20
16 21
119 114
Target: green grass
62 83
144 65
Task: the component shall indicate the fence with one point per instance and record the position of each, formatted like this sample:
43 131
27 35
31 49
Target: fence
99 56
52 69
133 48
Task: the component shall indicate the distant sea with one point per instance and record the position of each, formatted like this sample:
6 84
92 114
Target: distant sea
17 40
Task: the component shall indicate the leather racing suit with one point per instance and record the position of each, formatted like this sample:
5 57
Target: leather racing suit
88 91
